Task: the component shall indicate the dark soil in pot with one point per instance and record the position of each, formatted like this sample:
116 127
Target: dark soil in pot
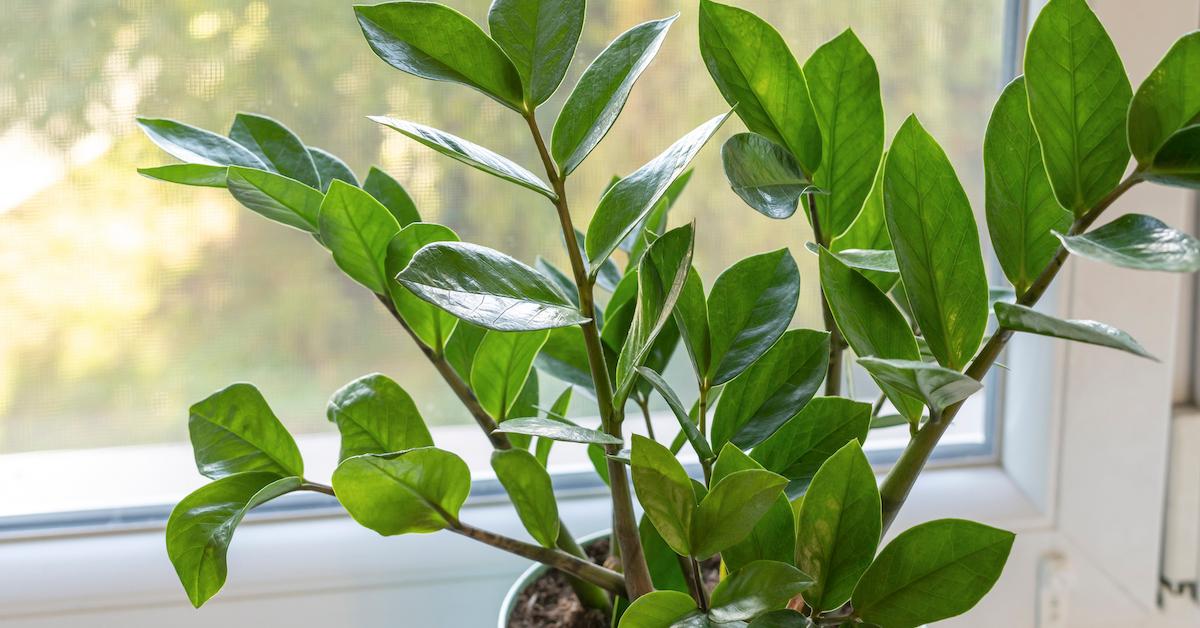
549 602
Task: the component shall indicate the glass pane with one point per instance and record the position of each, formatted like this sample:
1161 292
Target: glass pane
125 299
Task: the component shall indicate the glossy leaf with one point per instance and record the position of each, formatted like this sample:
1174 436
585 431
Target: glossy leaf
757 588
431 324
192 145
461 347
564 356
1167 101
870 322
781 619
937 245
1140 242
539 36
201 175
1078 97
599 460
839 527
662 561
659 609
528 486
201 527
774 536
755 71
436 42
557 413
234 430
1021 318
376 416
937 386
960 560
557 430
764 174
275 146
869 232
592 108
631 199
501 366
357 229
409 492
468 153
732 508
331 168
276 197
1178 161
1021 208
664 491
881 261
391 195
487 288
799 448
690 430
526 405
750 307
772 390
691 316
846 97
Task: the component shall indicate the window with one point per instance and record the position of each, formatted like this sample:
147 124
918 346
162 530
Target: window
125 300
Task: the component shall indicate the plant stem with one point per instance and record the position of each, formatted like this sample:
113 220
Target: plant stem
899 481
833 376
644 404
317 488
558 559
695 582
625 530
702 416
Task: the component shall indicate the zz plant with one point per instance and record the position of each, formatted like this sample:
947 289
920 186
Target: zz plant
784 494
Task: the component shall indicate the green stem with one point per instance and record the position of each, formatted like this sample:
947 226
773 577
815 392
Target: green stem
581 568
833 376
694 581
702 420
899 481
644 404
633 559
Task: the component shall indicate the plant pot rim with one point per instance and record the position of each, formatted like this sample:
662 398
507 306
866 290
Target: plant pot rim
531 575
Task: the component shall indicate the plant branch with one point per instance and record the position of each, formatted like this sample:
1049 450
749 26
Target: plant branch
625 522
583 569
833 377
644 404
694 581
899 481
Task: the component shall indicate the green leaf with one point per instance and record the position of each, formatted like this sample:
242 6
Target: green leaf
846 97
732 508
432 325
501 365
565 284
663 562
937 386
772 390
757 588
601 92
1021 208
276 197
376 416
409 492
528 486
880 261
1139 242
750 307
774 536
357 230
631 199
937 245
1021 318
664 491
558 413
691 316
392 195
764 174
659 609
564 356
202 524
839 526
275 146
539 37
436 42
781 619
331 168
958 560
755 71
1167 101
869 232
461 347
799 448
599 460
234 430
1078 96
487 288
690 430
870 322
188 174
661 276
197 146
558 430
1178 161
468 153
526 405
